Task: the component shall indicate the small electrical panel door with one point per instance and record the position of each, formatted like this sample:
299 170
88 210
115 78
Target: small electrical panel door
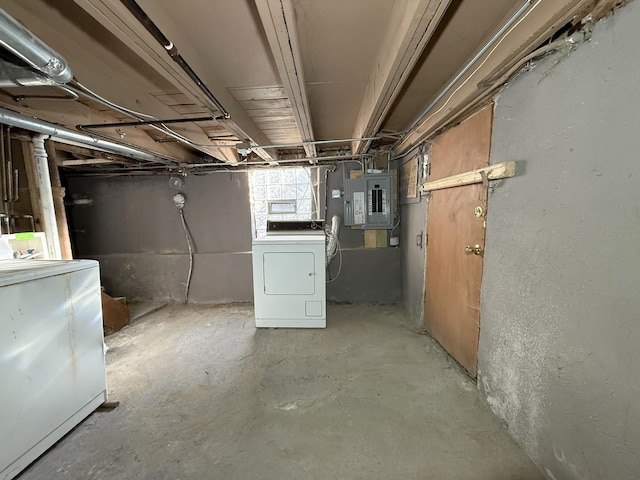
368 200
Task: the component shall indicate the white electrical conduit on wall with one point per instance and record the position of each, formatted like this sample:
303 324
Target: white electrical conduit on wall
528 6
180 200
495 82
187 234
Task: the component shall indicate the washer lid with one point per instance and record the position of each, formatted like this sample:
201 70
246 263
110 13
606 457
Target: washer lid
292 238
16 271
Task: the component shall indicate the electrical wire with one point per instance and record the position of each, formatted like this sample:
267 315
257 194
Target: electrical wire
397 223
187 234
71 95
470 76
352 161
90 93
77 86
506 29
339 262
314 198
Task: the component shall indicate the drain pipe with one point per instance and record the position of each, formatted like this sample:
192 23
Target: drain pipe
31 50
64 135
49 222
58 192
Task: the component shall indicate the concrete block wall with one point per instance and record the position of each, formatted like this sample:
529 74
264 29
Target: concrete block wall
560 321
413 232
133 228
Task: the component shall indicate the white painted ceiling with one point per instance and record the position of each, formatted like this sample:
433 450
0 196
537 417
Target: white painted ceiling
342 69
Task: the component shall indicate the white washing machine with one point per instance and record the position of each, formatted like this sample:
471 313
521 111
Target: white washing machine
52 371
289 279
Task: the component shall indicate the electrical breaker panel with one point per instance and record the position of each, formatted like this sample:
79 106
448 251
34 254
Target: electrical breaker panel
368 200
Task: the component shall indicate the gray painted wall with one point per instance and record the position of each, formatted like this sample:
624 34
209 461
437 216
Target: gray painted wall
367 275
413 216
134 230
559 351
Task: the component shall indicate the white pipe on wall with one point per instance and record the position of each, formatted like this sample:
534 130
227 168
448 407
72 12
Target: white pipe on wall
49 222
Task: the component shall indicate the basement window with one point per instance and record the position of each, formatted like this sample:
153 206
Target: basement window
279 194
283 206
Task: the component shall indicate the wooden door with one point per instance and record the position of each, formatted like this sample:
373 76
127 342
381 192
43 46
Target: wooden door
453 276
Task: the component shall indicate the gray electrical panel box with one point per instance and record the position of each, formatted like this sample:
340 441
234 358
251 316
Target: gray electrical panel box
368 201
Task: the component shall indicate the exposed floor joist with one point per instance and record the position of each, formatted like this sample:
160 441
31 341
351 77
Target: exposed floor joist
118 20
278 20
88 161
412 26
536 24
86 153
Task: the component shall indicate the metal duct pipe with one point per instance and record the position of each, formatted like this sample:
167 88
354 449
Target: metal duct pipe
64 135
12 75
31 50
332 238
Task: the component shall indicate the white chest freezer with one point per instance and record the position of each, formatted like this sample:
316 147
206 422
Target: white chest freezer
52 370
289 280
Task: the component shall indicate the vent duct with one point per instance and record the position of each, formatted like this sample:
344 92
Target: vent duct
33 52
64 135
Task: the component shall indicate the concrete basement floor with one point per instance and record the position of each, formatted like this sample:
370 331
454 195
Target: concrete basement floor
204 395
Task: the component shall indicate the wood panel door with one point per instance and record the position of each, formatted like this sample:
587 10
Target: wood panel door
454 276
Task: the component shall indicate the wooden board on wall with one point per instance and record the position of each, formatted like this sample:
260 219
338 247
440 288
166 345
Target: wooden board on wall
375 238
453 277
409 179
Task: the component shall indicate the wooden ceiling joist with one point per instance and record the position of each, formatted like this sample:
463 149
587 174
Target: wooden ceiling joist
412 26
535 25
278 20
88 161
118 20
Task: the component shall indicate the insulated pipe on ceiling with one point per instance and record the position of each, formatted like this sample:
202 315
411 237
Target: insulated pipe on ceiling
31 50
171 49
64 135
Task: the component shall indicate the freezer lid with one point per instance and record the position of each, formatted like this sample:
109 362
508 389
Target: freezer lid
16 271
